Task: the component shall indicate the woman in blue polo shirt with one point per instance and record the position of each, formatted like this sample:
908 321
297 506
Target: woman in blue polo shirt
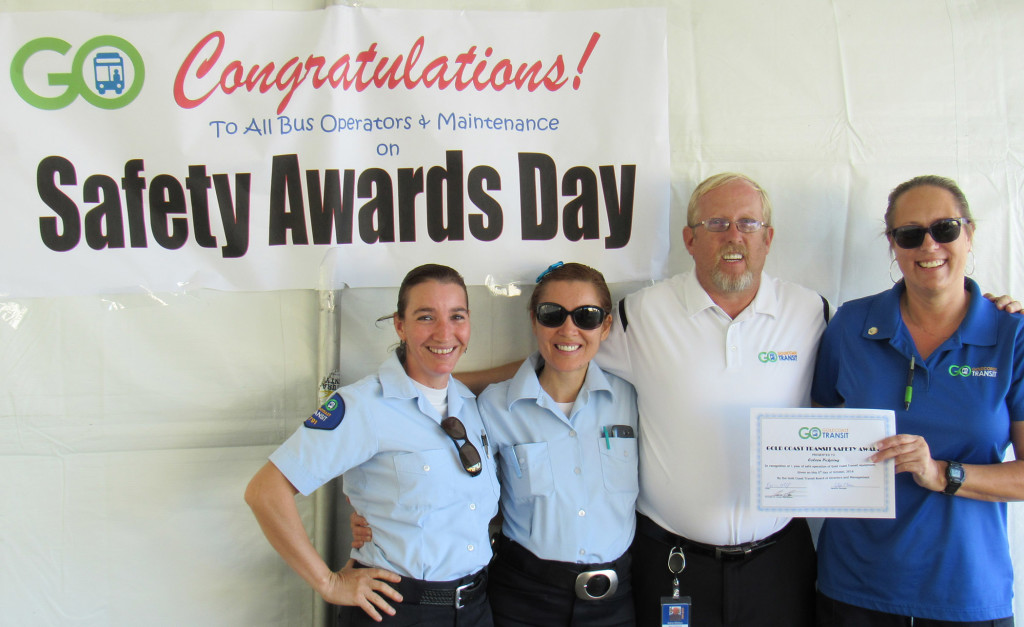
944 559
564 433
408 442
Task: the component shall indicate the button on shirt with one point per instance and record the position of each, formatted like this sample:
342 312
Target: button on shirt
698 373
402 472
568 493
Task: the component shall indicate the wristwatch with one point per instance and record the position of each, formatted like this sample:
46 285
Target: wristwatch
954 477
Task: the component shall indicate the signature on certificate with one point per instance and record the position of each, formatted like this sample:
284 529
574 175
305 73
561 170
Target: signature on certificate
782 490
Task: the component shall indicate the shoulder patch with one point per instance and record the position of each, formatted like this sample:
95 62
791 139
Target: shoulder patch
329 415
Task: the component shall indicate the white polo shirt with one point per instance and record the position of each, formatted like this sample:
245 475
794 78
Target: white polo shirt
697 374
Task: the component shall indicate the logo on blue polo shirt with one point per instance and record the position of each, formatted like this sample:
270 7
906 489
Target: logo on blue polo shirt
329 415
973 371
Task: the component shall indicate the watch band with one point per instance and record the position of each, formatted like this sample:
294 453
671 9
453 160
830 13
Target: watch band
954 477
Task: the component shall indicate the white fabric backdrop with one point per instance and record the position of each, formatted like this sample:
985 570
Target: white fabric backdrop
129 425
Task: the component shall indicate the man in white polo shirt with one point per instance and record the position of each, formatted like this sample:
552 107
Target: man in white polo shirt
702 348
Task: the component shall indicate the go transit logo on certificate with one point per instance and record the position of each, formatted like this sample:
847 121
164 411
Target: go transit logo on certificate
106 71
827 433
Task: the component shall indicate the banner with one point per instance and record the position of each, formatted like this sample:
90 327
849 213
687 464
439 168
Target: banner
233 150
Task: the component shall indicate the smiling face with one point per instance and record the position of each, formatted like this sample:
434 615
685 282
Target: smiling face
435 329
730 262
568 348
931 266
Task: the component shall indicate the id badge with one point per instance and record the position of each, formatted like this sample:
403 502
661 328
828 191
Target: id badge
675 611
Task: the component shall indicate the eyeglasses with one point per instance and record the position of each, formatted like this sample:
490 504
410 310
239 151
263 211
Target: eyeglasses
468 454
586 318
721 225
942 231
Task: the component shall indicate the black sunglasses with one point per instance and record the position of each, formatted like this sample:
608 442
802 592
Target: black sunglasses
942 231
468 454
586 318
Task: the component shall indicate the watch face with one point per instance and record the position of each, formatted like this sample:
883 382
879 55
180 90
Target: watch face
954 477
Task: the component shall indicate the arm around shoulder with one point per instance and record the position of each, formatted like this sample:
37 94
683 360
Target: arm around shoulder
478 380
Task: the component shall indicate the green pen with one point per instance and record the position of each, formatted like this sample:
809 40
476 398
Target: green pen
607 442
909 393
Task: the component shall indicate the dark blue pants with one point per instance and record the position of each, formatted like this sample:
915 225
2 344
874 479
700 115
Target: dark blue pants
832 613
524 599
475 613
772 587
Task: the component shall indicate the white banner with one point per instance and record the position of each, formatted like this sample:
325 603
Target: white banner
233 150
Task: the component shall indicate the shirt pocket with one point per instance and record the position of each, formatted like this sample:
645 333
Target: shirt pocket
526 470
619 464
421 477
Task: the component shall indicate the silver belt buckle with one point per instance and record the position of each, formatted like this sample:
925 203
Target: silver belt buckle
584 578
458 594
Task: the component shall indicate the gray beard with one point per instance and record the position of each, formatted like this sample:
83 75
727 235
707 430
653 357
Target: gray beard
729 283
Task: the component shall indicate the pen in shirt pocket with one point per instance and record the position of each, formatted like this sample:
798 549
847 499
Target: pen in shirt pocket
618 431
483 440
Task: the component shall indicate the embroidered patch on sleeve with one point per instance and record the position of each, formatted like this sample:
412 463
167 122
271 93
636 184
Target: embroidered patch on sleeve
329 415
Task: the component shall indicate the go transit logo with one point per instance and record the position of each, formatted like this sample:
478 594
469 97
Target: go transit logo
973 371
106 71
771 357
828 433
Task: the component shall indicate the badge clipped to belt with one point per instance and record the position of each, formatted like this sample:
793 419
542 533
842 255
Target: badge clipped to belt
675 610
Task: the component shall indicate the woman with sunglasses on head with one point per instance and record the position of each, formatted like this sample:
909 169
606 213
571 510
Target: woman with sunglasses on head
564 434
408 442
952 367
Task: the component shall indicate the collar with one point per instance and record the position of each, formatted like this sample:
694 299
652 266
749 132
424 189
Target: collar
884 322
395 383
526 385
695 299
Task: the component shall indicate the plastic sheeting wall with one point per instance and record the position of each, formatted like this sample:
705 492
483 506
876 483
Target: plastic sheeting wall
130 424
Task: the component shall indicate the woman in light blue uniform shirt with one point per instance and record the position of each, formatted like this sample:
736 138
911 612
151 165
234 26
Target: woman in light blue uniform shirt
408 442
564 433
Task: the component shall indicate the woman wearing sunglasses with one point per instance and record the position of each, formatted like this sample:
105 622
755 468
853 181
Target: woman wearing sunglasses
408 442
952 367
564 434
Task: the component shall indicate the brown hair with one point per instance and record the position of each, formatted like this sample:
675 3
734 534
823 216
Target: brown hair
933 180
416 276
574 272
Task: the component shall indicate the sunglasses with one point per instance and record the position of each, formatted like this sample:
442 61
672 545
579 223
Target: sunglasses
468 454
586 318
942 231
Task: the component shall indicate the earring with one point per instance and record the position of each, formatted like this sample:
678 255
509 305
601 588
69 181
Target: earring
971 262
894 279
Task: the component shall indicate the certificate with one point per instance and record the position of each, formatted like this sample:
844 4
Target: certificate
814 462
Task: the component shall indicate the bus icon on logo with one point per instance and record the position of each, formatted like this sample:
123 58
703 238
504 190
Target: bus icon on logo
105 71
108 71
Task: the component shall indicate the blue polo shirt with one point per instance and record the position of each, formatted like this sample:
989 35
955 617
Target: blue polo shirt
568 493
942 557
402 472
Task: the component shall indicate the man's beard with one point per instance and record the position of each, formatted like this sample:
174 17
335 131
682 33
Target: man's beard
731 283
728 282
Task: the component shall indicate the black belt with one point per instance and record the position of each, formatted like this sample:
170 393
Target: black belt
590 582
653 530
457 593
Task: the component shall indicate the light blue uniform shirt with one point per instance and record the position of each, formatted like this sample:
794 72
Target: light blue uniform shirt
568 493
402 472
